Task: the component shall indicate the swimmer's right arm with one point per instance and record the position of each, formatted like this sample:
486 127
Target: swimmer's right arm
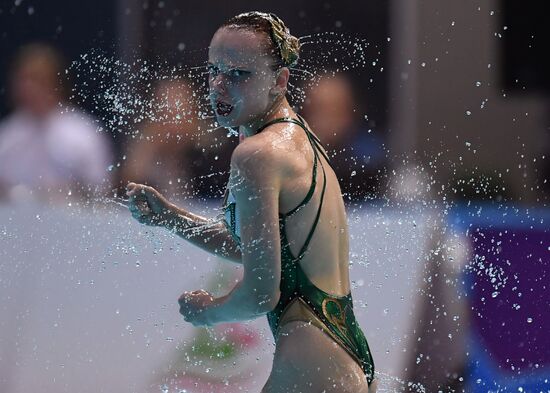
150 207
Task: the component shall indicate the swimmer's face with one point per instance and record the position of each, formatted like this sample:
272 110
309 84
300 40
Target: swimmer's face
242 77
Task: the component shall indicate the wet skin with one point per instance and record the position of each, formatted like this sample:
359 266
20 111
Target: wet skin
271 173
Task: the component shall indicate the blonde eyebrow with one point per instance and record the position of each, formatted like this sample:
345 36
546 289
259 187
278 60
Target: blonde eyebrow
240 68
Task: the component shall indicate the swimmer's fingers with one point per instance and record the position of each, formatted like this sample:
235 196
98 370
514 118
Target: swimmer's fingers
139 205
132 189
187 309
137 192
155 200
148 206
136 196
192 306
140 210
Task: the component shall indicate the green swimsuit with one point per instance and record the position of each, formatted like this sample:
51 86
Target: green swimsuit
300 299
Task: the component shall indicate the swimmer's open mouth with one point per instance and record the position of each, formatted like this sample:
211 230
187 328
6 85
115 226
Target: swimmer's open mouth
223 109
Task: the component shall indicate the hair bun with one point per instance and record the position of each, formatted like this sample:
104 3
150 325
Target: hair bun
289 46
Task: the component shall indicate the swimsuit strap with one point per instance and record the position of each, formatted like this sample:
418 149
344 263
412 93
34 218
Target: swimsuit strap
317 147
334 313
314 226
313 138
280 120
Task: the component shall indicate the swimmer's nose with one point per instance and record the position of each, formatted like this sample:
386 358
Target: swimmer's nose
218 84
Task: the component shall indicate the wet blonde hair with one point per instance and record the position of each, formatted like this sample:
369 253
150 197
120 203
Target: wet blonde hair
284 47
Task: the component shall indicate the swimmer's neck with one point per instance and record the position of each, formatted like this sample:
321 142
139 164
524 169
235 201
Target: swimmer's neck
280 109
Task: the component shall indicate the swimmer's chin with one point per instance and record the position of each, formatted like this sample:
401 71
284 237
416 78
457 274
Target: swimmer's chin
224 122
228 121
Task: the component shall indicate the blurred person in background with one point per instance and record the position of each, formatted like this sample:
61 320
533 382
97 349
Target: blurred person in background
172 151
48 150
436 354
356 150
160 152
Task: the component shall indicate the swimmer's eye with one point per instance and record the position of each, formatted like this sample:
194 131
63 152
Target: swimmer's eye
213 70
233 73
236 73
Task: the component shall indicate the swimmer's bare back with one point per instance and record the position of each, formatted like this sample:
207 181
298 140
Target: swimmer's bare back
326 262
306 358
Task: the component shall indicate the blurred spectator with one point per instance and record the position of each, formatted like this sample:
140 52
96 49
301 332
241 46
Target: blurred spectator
436 355
356 149
47 147
173 151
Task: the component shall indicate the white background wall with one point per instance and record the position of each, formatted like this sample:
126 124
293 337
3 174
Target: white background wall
89 299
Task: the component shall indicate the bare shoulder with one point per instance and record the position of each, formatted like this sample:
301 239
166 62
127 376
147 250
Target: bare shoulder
267 153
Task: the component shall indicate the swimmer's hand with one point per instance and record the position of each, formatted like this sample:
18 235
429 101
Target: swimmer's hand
149 206
193 306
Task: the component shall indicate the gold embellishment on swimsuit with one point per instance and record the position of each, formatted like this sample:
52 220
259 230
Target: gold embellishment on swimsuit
333 311
298 310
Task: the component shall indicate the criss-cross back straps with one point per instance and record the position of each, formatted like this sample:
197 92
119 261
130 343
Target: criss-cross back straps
317 147
314 226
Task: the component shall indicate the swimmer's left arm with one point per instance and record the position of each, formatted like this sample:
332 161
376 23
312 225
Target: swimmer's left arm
257 196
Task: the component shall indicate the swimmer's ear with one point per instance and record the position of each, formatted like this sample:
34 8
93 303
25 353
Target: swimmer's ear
281 81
